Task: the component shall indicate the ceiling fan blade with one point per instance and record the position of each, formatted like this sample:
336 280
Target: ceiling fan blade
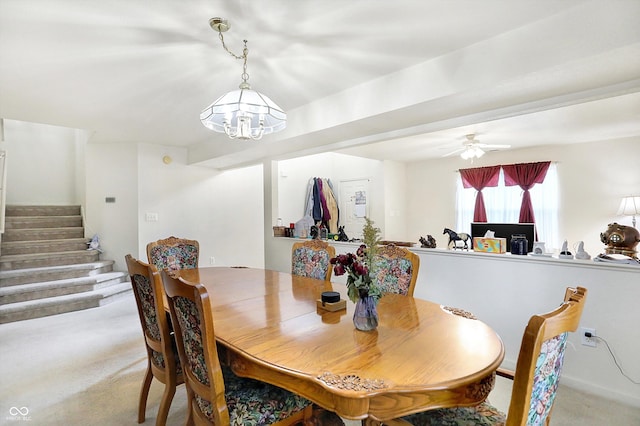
489 146
457 151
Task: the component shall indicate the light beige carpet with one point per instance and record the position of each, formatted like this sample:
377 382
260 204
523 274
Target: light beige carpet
86 368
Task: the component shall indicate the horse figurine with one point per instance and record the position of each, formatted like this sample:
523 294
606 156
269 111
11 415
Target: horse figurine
342 236
454 237
428 242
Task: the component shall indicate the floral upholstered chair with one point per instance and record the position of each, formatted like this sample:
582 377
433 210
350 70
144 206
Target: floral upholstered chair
311 259
535 379
163 362
396 269
173 253
215 394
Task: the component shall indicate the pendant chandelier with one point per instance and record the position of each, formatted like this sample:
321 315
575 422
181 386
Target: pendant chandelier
244 113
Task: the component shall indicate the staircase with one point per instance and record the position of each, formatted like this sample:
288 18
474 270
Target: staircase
46 269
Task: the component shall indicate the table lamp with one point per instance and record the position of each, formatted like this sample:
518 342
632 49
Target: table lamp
630 206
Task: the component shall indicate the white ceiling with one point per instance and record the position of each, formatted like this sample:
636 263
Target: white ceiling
352 76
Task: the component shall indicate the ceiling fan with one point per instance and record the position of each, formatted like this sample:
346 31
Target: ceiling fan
472 148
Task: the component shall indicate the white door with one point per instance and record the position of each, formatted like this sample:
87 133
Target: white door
354 206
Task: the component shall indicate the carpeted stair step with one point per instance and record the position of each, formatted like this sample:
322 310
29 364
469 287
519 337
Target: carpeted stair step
39 234
44 246
41 290
22 261
30 222
45 267
51 273
14 210
60 304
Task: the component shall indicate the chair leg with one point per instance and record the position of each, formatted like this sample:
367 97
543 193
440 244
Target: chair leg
165 404
144 393
189 421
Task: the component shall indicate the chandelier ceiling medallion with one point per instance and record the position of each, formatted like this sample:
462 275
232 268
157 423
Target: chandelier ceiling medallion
243 113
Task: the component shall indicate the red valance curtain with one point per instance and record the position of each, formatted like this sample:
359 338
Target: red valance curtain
480 178
526 175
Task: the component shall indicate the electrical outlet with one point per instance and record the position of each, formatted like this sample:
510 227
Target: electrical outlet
212 260
588 341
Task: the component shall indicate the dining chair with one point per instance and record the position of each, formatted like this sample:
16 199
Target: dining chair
163 362
536 377
396 269
215 394
311 259
173 253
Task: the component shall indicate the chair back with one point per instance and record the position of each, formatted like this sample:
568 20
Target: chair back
193 324
540 361
311 259
147 289
173 253
396 269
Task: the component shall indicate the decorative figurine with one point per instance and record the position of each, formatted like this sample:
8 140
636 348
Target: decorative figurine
538 248
454 237
580 253
429 242
342 236
621 239
314 232
564 252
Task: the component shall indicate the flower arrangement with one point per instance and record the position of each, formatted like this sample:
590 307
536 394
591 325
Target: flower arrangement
358 266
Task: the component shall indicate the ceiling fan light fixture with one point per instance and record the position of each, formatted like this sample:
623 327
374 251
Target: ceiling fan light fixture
471 152
244 113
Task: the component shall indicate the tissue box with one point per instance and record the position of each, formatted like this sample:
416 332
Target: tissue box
490 245
278 231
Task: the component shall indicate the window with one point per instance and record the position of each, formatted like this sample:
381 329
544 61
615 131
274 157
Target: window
503 206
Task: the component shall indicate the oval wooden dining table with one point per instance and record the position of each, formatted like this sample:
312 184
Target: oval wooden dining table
420 357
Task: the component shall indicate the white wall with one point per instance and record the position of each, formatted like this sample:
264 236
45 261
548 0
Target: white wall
395 206
112 171
46 178
217 209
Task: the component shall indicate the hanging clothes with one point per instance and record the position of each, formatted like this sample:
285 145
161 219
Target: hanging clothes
332 206
321 204
317 207
326 214
308 205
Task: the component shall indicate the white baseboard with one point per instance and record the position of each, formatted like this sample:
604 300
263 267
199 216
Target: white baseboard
601 392
590 388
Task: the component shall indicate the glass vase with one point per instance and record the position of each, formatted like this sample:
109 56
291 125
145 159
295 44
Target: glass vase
365 317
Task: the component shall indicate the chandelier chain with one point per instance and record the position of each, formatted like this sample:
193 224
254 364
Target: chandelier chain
245 53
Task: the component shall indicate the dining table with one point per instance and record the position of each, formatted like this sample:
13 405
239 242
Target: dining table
421 356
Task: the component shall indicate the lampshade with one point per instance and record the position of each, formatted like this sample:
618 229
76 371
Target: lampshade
244 114
630 206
